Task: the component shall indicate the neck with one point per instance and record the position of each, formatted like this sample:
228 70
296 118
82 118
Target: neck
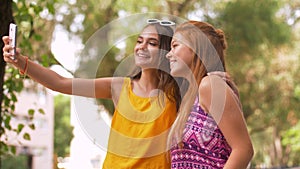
149 79
147 84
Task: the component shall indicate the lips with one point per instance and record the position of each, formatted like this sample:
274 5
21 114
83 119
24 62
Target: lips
172 62
143 55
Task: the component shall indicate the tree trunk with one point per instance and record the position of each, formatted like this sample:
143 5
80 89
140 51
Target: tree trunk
6 17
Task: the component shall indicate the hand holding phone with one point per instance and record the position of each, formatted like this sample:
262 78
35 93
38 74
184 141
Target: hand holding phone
13 36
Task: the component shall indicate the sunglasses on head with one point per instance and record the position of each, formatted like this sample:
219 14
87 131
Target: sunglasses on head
161 22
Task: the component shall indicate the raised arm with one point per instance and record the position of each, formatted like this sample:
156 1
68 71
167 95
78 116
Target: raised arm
96 88
220 101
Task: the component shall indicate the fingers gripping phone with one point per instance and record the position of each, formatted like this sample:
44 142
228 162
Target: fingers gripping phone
13 29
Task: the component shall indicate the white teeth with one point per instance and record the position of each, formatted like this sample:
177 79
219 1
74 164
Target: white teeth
142 55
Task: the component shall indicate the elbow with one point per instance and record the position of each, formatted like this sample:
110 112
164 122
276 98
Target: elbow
251 151
248 152
242 155
249 155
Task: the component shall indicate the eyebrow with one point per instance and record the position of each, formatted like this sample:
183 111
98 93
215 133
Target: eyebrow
173 41
148 38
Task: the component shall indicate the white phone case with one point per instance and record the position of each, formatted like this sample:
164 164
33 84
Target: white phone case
13 36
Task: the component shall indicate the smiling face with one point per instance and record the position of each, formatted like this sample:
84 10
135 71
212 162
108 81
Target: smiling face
181 56
147 48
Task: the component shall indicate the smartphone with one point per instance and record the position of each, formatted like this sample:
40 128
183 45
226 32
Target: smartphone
13 30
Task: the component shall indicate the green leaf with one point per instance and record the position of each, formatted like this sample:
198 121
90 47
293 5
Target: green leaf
51 8
37 8
30 112
26 136
4 147
7 122
14 98
13 149
32 126
20 128
41 111
37 37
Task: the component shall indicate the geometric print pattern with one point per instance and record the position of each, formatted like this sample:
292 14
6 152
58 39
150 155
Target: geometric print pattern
203 144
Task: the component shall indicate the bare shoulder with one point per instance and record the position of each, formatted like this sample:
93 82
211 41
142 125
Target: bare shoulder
208 82
214 88
109 81
117 82
106 86
211 87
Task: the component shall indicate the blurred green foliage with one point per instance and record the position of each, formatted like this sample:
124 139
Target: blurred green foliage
262 56
27 16
63 131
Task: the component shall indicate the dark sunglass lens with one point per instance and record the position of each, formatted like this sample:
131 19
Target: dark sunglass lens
166 23
152 20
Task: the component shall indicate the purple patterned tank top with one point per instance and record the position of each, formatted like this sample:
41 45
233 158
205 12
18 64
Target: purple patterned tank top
203 145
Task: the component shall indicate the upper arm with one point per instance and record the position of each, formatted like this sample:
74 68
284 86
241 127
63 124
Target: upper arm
96 88
217 98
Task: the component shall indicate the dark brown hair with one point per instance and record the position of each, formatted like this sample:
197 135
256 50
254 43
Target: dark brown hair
167 83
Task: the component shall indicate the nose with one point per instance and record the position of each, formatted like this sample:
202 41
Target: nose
169 55
142 46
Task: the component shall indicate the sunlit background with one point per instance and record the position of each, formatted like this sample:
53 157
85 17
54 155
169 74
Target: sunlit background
263 59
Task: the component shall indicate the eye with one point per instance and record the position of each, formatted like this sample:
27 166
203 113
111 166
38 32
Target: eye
153 43
174 45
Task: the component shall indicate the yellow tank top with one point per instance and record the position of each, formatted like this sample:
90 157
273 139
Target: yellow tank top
139 131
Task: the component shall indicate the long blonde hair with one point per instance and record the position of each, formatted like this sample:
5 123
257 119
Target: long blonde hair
209 45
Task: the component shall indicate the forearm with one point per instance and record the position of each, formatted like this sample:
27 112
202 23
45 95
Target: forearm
53 81
42 75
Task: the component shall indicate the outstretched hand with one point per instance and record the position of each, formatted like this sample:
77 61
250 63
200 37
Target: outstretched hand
19 60
7 56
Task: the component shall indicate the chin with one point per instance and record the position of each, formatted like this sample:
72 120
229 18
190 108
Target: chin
142 65
178 73
147 65
174 73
